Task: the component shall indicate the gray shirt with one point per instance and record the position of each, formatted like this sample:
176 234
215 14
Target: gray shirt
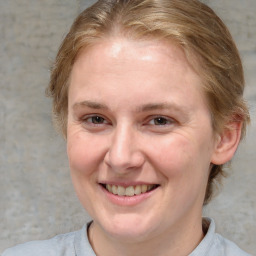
77 244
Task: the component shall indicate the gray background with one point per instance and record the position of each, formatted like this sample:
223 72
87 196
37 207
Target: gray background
37 200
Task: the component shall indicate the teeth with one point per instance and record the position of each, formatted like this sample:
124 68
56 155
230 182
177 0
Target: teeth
137 190
120 190
144 188
109 188
114 189
129 191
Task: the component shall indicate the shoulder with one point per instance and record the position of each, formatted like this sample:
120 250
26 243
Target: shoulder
60 245
214 244
228 247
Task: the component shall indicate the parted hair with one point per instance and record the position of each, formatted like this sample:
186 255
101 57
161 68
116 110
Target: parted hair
204 38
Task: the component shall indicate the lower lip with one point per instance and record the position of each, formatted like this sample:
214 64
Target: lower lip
127 200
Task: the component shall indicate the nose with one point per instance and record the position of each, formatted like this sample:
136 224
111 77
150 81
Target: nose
124 153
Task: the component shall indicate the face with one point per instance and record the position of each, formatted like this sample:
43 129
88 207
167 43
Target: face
139 138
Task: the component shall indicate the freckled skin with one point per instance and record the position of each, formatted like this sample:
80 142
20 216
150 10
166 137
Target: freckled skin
128 144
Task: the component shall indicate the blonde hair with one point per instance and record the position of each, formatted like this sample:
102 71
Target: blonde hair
194 26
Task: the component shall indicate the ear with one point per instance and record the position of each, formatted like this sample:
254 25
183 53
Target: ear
226 143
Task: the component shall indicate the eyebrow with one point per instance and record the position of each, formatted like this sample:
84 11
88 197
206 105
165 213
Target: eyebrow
156 106
143 108
90 104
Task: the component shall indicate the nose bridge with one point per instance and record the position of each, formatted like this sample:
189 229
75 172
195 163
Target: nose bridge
124 152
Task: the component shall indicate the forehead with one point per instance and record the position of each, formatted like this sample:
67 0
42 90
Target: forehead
118 65
120 49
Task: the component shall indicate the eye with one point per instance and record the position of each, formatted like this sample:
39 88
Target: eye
159 120
95 120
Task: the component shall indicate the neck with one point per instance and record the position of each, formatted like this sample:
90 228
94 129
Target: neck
178 241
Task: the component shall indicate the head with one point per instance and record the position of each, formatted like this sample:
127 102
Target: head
191 25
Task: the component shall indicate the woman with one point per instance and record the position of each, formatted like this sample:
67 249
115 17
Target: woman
149 95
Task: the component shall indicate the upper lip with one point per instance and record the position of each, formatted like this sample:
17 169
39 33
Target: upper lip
127 184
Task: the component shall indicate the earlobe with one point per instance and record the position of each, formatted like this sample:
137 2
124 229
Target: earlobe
227 143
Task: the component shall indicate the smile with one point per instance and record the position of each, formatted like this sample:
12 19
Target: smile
129 191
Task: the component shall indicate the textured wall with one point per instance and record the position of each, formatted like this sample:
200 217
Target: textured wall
36 197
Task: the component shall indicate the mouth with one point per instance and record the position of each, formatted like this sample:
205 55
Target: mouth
130 190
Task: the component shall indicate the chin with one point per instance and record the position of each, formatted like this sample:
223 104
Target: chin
128 227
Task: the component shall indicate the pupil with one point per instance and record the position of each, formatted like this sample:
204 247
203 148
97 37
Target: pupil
160 121
97 120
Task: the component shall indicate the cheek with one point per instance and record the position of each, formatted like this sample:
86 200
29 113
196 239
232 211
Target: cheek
173 156
84 152
84 160
185 168
181 159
